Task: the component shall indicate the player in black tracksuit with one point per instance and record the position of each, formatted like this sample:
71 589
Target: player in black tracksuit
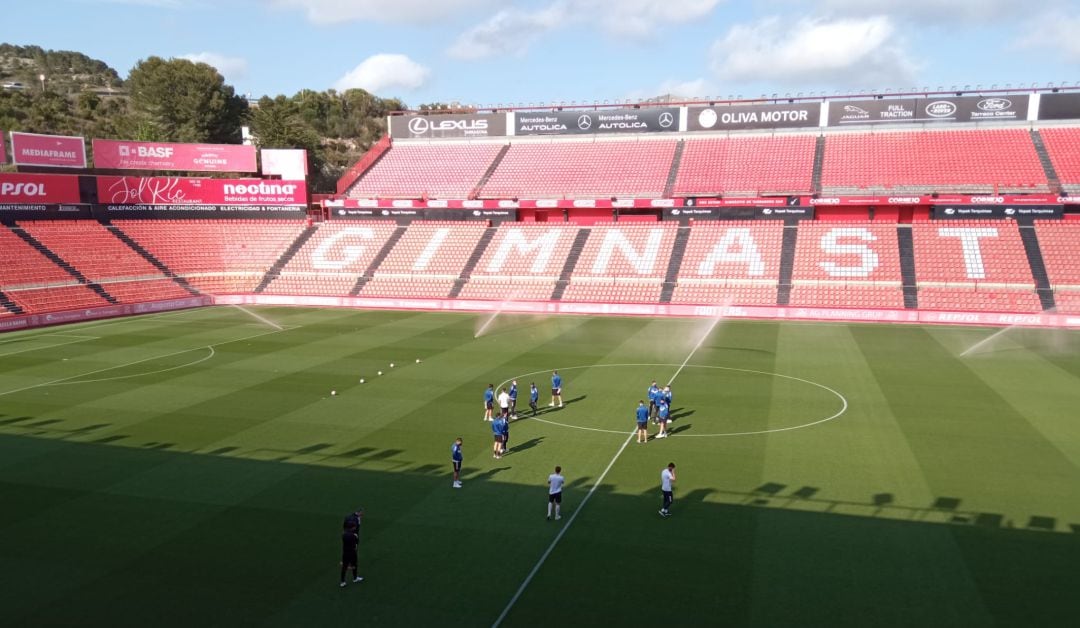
350 539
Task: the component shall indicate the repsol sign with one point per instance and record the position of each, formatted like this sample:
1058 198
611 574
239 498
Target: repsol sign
438 125
741 117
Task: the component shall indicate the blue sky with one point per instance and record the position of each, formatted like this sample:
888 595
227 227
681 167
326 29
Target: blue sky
531 51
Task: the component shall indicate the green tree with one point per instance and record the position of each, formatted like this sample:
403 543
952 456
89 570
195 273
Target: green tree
181 101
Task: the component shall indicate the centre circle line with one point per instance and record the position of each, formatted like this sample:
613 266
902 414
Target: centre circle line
843 400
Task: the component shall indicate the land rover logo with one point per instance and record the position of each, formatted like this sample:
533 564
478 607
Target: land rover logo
941 109
584 122
707 119
995 104
419 126
666 119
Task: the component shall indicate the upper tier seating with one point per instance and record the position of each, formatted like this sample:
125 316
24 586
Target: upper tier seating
622 263
1063 145
333 258
583 170
21 265
90 248
216 256
847 265
735 262
1059 241
145 290
746 166
431 170
976 161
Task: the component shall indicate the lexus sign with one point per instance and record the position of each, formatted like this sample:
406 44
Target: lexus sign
439 125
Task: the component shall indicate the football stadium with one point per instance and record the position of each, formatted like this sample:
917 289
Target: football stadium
863 307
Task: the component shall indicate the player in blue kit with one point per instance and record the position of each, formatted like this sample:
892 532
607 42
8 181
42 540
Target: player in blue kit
662 412
489 401
534 397
556 389
654 395
456 458
505 435
666 396
642 422
497 428
513 399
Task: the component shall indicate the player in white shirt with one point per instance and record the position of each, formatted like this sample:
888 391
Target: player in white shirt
555 484
504 403
667 482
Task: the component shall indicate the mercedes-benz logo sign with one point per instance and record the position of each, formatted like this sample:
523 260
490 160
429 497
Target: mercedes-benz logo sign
419 126
666 119
584 122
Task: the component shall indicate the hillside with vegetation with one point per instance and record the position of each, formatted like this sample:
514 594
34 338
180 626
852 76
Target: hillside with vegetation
176 100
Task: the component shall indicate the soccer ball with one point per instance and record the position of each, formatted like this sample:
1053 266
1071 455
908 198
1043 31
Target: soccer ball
418 360
333 393
380 372
361 380
391 365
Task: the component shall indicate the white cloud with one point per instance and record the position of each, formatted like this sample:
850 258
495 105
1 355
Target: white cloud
381 72
847 52
1056 32
387 11
229 67
935 10
161 4
509 31
513 30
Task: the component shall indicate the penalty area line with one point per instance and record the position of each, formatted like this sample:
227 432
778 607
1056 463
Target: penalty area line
588 496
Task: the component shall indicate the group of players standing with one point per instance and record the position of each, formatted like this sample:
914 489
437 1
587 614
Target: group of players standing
659 410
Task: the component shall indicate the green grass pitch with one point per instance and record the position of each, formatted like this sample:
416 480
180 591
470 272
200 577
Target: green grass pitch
192 469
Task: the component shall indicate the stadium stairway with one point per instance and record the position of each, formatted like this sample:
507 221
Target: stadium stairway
9 305
490 170
571 263
907 266
819 163
286 257
1038 266
1044 159
148 256
787 262
474 259
369 272
671 278
59 261
673 174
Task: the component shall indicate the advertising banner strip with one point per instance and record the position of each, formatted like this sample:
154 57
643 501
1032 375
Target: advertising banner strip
125 155
189 191
109 311
745 117
38 189
979 212
357 213
57 151
599 203
663 310
739 213
448 125
656 120
1010 108
1059 106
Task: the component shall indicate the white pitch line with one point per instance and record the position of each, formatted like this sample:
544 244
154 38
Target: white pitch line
156 357
261 319
59 344
596 485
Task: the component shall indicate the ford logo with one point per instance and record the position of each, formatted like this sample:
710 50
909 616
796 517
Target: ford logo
995 104
941 109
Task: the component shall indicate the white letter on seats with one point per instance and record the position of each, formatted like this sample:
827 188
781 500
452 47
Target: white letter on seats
746 253
969 242
352 252
643 263
432 247
515 241
870 260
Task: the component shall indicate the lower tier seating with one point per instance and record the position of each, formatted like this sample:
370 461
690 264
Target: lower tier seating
932 298
145 290
848 296
722 293
56 299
